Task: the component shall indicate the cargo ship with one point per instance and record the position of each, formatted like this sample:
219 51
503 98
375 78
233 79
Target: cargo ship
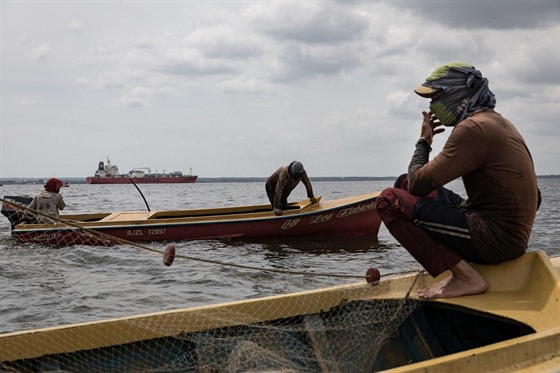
109 174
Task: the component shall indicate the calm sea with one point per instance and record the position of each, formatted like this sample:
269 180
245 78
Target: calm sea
44 286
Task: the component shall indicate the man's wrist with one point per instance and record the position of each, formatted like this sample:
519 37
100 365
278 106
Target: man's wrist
423 141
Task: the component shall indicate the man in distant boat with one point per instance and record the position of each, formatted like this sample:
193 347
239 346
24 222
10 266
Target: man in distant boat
47 202
280 184
494 224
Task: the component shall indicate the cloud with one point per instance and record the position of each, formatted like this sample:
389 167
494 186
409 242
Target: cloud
534 59
243 83
40 53
498 15
304 63
26 101
225 42
191 64
131 101
329 82
108 80
307 22
75 27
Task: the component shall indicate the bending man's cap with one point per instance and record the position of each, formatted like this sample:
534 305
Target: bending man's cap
296 168
433 83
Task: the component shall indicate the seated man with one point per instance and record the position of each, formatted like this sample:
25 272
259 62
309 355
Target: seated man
48 202
494 224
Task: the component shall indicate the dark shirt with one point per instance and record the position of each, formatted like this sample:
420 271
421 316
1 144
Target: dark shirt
281 183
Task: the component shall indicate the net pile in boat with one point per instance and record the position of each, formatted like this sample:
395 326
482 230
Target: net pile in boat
346 338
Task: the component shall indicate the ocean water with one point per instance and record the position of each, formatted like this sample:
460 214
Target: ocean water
45 286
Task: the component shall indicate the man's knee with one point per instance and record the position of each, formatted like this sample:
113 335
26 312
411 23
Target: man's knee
386 199
395 201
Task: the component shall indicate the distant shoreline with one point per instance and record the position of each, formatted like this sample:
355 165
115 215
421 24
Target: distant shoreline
82 180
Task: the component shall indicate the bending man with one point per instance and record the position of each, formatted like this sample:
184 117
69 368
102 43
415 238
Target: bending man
280 184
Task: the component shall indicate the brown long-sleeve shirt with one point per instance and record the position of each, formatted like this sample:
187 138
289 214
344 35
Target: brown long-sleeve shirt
282 183
497 169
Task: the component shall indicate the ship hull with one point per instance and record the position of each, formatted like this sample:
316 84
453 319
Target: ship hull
142 180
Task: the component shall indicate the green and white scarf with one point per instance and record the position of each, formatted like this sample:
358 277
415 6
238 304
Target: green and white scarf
463 90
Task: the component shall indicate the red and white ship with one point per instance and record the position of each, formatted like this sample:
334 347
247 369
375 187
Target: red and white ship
109 174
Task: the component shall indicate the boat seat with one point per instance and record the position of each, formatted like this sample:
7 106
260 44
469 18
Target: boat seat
127 216
522 295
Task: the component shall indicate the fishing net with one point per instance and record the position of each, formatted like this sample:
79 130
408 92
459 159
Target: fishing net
352 327
346 338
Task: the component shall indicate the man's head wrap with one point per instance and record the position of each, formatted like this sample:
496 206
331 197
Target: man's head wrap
456 90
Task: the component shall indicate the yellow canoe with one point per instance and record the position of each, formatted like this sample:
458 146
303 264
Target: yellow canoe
514 326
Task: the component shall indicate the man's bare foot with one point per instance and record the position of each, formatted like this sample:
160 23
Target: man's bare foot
464 280
436 288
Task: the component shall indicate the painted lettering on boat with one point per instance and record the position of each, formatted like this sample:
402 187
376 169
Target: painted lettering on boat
320 218
46 236
288 224
149 232
156 231
356 209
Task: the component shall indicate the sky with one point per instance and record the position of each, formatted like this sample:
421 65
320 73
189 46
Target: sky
240 88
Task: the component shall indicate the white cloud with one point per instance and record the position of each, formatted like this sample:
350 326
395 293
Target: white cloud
75 27
26 101
307 22
131 101
244 84
40 52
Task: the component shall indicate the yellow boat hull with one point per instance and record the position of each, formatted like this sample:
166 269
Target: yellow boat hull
524 294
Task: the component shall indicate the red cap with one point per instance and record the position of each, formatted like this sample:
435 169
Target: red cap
53 185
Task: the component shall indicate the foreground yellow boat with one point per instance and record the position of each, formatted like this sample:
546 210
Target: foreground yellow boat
515 326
